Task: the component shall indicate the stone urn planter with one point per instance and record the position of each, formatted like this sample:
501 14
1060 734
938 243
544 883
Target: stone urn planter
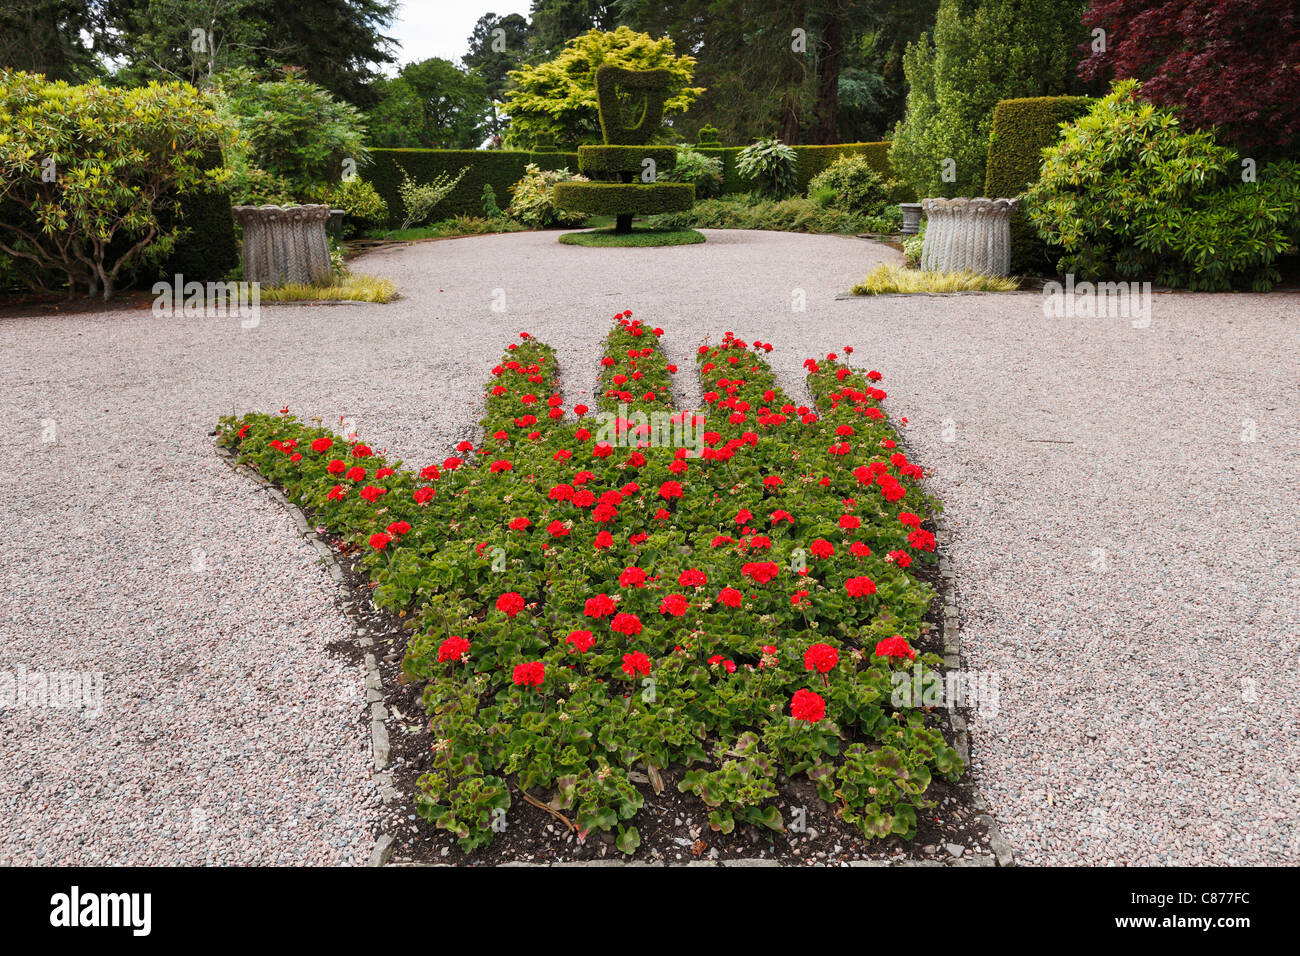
968 234
285 245
911 217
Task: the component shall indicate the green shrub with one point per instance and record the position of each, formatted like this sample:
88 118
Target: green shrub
795 214
1022 129
769 166
491 209
1129 194
598 161
254 186
294 129
912 246
420 199
206 248
702 172
124 159
708 136
533 199
365 208
851 183
980 52
497 168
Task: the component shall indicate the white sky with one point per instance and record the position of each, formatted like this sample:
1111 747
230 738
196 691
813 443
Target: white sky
426 28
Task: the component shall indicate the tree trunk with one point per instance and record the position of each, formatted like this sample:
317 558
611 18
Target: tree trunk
830 56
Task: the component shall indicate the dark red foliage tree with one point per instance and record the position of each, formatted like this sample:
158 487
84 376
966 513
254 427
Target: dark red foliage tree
1234 64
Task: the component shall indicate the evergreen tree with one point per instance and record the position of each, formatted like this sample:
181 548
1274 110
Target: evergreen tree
982 51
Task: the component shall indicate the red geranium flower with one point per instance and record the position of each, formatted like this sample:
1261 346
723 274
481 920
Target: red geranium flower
821 548
529 675
510 603
674 604
730 597
760 571
636 663
895 647
581 641
452 649
807 706
693 578
860 587
322 444
379 541
632 578
628 624
602 605
821 658
921 539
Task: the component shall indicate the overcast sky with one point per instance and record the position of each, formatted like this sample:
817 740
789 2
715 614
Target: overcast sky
426 28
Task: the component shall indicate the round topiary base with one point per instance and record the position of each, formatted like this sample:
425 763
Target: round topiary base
637 237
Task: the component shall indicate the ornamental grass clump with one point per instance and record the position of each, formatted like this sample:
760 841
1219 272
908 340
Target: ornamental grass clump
727 596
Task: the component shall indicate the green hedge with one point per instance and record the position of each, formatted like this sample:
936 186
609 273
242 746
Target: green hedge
207 250
498 168
1022 128
615 199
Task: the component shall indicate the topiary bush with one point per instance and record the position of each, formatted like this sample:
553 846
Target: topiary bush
628 126
649 591
1128 193
770 167
1022 129
851 183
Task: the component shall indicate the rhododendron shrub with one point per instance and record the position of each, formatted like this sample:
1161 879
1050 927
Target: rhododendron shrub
584 607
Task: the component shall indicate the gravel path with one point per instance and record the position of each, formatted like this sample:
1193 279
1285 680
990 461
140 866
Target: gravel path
1127 564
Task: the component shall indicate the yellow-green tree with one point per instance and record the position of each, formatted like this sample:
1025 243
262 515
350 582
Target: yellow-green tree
559 96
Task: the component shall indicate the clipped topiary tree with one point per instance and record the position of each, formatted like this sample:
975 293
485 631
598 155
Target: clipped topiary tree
631 111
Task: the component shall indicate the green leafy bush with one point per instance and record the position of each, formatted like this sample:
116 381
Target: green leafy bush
796 214
980 52
624 199
294 130
618 593
491 209
420 199
1128 193
366 209
92 177
851 183
769 166
702 172
532 199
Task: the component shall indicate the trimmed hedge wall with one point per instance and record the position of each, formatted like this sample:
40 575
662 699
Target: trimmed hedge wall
621 199
1022 128
208 250
503 168
498 168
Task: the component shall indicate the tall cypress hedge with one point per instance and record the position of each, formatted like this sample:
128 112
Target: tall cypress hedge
1022 128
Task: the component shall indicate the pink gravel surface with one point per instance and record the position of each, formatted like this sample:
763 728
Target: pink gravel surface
1127 563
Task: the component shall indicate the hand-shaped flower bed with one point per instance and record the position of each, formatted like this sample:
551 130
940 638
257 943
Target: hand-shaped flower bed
589 605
